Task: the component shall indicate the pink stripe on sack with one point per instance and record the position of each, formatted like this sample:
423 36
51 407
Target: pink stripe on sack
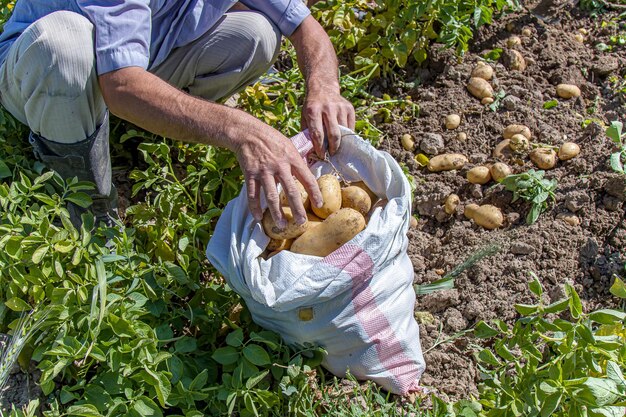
303 143
358 264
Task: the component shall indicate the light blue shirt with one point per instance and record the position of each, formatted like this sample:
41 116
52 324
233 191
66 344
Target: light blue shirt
142 33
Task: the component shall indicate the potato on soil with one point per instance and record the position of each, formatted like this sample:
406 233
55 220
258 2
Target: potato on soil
331 194
284 201
451 203
356 198
407 142
511 130
486 100
479 88
479 175
514 60
567 91
519 143
500 171
291 231
503 150
470 210
452 121
482 70
513 41
487 216
447 162
568 150
544 158
339 228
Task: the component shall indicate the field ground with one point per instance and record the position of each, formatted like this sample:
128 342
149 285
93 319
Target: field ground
587 254
587 250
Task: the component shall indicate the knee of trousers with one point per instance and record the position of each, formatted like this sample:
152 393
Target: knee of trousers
264 40
59 57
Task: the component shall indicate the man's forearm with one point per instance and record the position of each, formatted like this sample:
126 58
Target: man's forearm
266 156
142 98
316 56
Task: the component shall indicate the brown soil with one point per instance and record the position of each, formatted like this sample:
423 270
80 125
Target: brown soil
586 255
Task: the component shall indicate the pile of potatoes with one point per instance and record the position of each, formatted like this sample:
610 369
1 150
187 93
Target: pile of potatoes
478 84
517 139
343 215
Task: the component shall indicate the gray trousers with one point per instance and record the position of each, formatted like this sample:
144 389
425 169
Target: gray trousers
49 80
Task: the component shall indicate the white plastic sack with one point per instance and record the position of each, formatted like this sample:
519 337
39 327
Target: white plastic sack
361 295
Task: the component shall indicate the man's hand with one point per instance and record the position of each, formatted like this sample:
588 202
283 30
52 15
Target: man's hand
323 112
267 158
324 108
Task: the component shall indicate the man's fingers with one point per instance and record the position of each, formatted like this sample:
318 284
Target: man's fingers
273 203
308 181
334 133
254 200
316 131
294 197
351 120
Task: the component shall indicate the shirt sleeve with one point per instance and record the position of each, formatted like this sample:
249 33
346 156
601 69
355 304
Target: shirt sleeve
286 14
122 32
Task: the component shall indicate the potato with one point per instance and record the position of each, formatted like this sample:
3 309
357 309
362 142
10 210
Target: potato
511 130
568 150
362 185
579 38
502 150
336 230
407 142
567 91
499 171
331 194
446 162
544 158
482 70
356 198
513 41
462 136
413 222
291 231
487 216
527 32
479 175
569 218
470 210
452 121
516 61
278 244
451 203
479 88
313 220
304 196
486 100
519 143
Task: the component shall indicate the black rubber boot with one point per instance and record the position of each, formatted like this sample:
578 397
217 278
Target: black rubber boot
88 160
